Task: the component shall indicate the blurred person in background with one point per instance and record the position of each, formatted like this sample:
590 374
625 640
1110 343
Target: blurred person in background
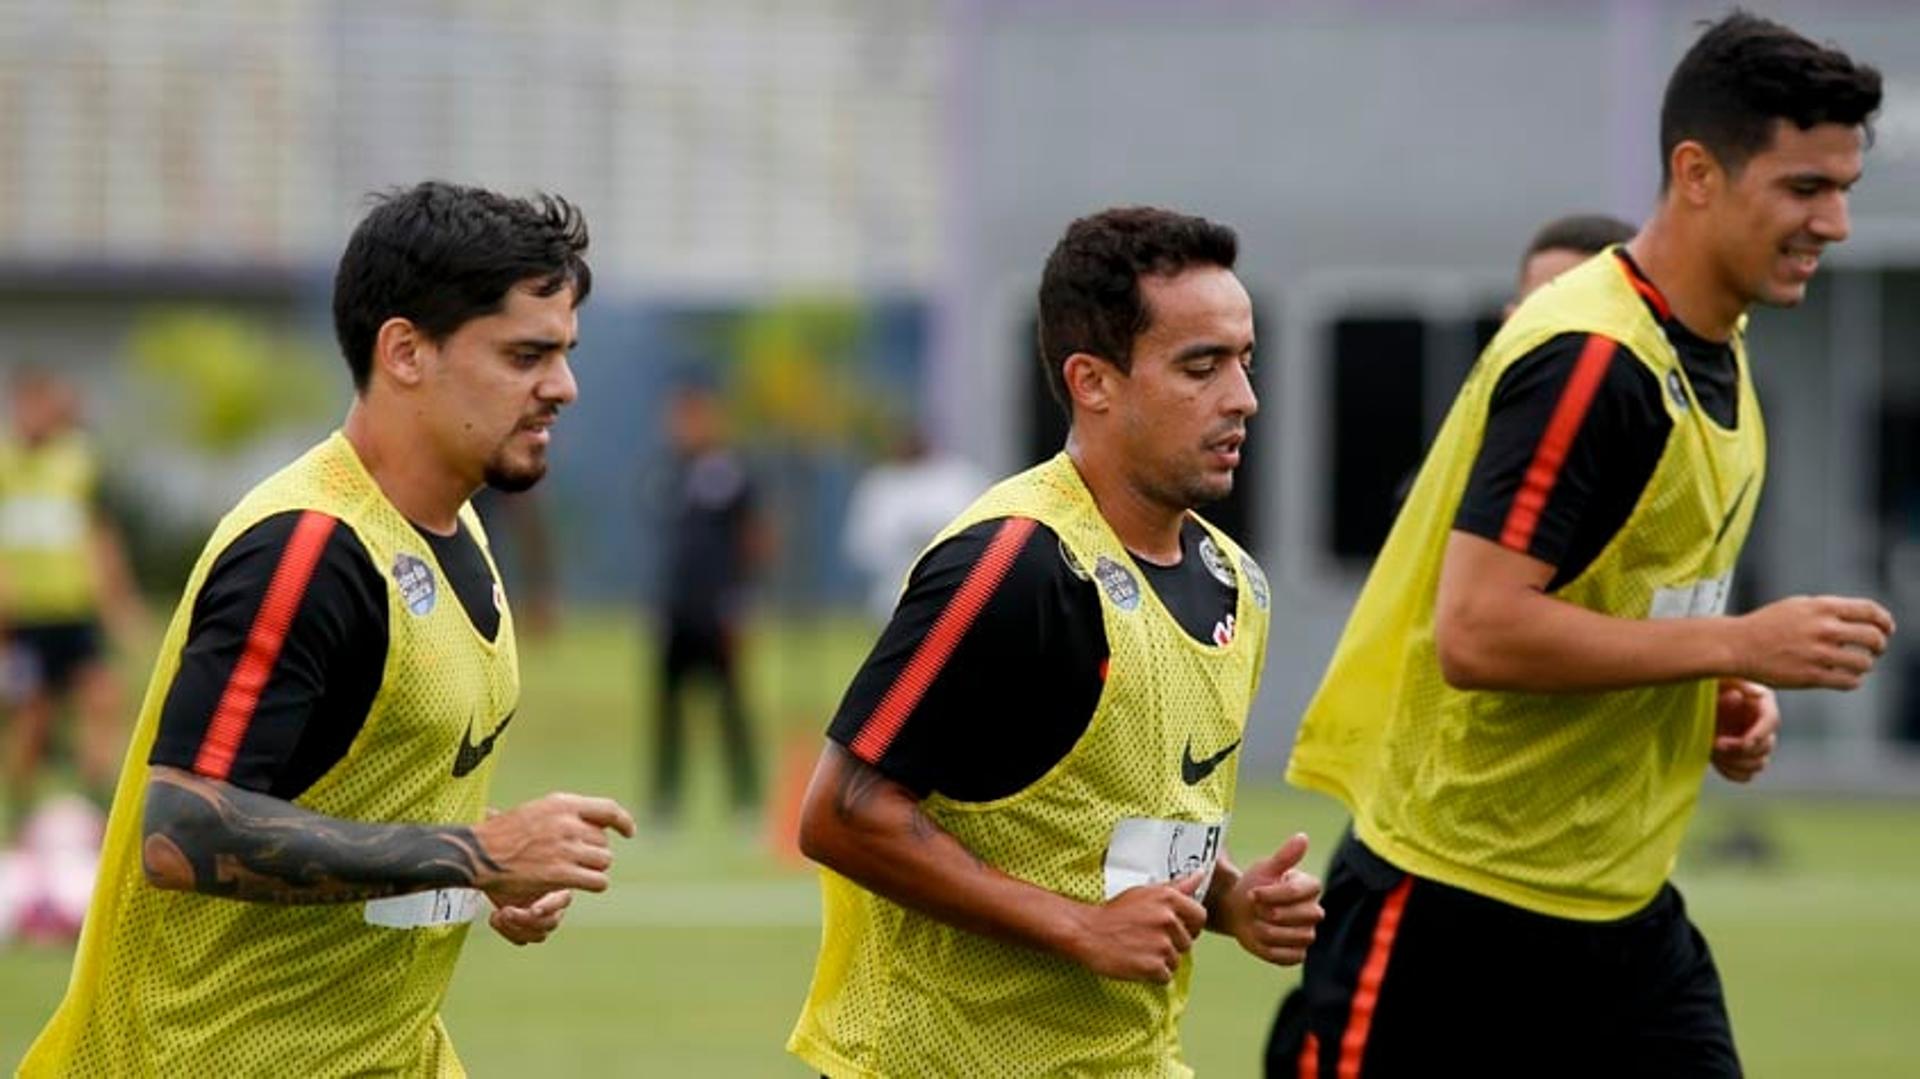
1022 805
1562 244
301 838
1558 246
63 576
1538 671
716 542
897 508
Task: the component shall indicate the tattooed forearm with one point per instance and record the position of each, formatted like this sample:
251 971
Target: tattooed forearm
210 837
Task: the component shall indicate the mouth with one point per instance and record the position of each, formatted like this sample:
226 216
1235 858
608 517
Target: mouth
540 428
1801 261
1226 450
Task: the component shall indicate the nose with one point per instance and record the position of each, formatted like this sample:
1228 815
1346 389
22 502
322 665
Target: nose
1240 399
559 386
1830 222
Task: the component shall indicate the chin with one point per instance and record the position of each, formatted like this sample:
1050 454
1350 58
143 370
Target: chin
1210 491
1784 293
514 479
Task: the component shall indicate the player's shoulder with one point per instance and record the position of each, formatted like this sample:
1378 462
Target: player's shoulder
1017 553
1598 363
309 541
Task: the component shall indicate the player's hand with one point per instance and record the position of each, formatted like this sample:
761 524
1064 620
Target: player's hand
1273 908
1813 642
533 921
559 841
1746 725
1140 934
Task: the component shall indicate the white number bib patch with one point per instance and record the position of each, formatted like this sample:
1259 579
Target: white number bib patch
1700 599
418 910
1148 851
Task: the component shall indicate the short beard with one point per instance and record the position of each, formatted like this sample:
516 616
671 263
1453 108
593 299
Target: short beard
510 481
1188 495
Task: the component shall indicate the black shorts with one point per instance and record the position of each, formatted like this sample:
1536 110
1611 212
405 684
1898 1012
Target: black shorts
1410 977
42 657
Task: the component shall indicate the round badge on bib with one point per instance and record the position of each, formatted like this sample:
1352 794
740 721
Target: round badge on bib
1256 581
1216 564
415 579
1118 582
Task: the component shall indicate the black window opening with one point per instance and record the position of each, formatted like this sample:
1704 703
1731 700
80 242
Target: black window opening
1241 514
1391 377
1896 487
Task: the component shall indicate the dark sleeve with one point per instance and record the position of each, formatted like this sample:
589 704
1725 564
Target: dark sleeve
1573 433
283 658
988 672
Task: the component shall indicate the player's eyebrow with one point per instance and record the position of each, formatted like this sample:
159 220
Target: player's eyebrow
542 344
1202 349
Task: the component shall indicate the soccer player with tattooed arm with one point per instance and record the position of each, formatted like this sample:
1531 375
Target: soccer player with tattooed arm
300 838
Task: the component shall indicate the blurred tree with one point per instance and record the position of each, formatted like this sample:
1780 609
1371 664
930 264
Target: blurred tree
223 380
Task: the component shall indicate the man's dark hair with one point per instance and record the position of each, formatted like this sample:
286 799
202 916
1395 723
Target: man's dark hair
1744 73
440 255
1588 234
1090 291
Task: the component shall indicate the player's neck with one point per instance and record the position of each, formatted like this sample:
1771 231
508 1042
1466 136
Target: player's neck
1676 260
424 491
1145 526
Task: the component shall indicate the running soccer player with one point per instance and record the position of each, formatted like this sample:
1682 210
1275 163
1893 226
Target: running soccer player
1023 802
1539 669
297 846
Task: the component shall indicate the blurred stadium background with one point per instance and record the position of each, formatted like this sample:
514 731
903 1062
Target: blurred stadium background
836 212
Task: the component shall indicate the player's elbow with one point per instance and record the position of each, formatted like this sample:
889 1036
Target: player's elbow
166 866
823 836
1460 644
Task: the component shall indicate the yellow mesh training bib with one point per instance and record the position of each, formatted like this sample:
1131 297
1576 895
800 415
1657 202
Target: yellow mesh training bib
897 993
46 530
1569 804
175 983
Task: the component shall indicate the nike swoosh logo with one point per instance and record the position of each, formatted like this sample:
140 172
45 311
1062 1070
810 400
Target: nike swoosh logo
470 754
1727 521
1193 771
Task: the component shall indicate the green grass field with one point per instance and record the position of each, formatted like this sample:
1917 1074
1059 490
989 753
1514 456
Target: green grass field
697 961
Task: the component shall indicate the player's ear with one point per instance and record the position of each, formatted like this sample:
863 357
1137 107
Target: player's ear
1089 381
400 351
1697 174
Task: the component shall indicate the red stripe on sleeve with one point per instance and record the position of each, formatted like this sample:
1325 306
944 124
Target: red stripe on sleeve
901 698
1568 414
1366 992
1310 1057
242 695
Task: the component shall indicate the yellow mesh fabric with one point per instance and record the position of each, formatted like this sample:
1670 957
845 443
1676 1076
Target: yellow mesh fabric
897 993
46 510
1568 804
181 984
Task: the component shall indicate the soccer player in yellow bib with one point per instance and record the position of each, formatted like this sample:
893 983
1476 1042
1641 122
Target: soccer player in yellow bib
63 573
1023 803
1539 669
297 846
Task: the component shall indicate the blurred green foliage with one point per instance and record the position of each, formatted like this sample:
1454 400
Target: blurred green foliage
220 380
801 375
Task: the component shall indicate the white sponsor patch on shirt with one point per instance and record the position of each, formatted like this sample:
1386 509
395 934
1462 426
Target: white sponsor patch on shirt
418 910
1148 851
1699 599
